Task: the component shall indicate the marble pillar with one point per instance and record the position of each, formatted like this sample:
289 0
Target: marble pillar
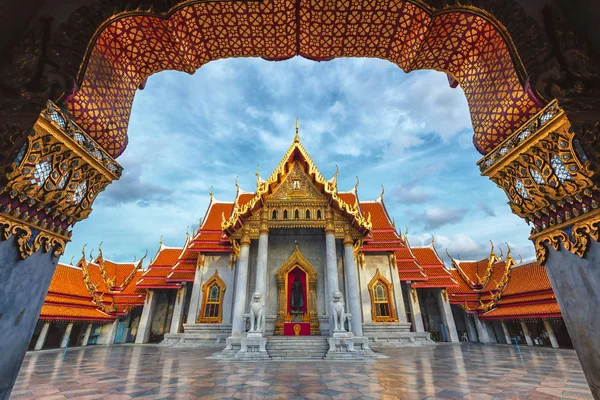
177 318
482 331
471 329
447 316
260 284
506 334
576 283
241 287
144 328
353 288
196 297
332 272
23 287
526 333
86 336
551 334
399 299
41 340
112 334
66 335
415 309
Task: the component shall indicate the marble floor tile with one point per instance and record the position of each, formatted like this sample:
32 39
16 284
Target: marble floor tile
470 372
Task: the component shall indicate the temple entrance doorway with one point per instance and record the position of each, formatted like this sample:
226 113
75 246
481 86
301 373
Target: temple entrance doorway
297 297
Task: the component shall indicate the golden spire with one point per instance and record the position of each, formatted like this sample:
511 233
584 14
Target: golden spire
297 137
257 176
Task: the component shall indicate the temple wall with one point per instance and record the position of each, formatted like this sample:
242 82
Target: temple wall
220 263
282 242
374 261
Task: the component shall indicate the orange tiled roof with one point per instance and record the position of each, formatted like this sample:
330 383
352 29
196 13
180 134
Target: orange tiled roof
527 278
538 310
166 256
379 216
68 280
73 313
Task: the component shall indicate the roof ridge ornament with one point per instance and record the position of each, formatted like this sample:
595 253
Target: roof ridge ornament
210 193
380 198
297 137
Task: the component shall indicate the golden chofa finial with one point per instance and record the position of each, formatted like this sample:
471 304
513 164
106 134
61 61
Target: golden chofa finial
297 137
210 193
71 261
237 185
160 242
357 183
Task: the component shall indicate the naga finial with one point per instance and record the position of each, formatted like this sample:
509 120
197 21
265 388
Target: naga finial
236 183
71 260
297 137
432 240
382 192
160 242
357 183
210 193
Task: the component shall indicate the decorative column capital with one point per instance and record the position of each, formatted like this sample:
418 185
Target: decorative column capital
264 227
329 227
245 240
348 241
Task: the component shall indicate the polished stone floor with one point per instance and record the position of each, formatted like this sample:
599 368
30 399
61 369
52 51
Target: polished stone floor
443 372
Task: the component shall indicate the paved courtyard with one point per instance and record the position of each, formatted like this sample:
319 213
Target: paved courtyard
443 372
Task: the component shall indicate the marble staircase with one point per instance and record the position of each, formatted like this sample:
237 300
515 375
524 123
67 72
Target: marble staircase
297 347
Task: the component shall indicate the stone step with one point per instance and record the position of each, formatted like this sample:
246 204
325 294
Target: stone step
297 348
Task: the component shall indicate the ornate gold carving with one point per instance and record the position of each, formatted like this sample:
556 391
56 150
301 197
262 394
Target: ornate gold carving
217 319
296 260
291 182
574 238
500 286
30 239
245 240
297 330
543 171
54 179
380 279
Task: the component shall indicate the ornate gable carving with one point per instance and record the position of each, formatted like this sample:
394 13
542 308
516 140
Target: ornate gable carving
297 186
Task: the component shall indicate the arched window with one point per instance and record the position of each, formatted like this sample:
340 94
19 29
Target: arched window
212 300
382 306
284 214
274 215
297 214
318 214
307 214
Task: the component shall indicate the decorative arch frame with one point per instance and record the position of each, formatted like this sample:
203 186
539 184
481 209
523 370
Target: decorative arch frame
297 259
378 278
202 318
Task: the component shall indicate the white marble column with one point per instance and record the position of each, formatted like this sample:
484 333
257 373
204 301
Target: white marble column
415 309
447 316
482 332
331 265
526 333
261 259
506 334
86 335
471 329
113 332
178 309
65 339
144 328
241 287
353 289
196 297
551 334
39 344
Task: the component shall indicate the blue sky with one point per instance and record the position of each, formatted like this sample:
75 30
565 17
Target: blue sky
409 132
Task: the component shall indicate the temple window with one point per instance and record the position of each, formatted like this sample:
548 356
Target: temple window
285 216
212 300
274 215
382 307
318 214
307 214
297 214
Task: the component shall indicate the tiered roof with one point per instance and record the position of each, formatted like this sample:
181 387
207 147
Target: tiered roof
496 288
159 272
112 284
69 299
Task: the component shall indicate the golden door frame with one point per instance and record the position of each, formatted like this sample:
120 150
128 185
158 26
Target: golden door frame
283 316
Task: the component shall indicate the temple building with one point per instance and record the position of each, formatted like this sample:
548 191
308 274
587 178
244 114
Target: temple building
297 257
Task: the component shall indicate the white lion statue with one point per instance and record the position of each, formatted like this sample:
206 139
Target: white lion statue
256 312
337 311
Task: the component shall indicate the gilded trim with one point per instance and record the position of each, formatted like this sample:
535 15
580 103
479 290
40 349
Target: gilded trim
378 278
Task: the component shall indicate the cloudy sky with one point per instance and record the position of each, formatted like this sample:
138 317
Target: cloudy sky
409 132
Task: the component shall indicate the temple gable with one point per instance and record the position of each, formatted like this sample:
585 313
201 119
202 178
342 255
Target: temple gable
297 186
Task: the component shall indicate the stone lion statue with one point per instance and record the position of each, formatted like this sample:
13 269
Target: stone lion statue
256 312
337 311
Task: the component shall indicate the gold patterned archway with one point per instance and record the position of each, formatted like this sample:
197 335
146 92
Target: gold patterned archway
296 260
380 283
